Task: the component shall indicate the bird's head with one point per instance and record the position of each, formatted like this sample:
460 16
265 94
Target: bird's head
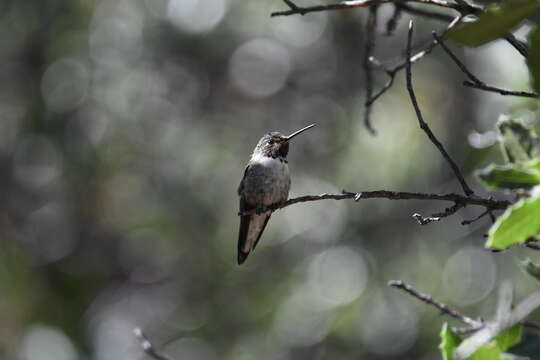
276 145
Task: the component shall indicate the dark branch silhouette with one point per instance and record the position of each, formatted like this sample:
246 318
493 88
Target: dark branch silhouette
443 308
473 81
438 216
487 212
295 9
368 72
488 203
392 72
424 126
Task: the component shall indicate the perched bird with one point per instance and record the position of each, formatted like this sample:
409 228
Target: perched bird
266 182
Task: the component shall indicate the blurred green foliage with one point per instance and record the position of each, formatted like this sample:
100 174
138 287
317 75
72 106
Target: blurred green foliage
497 20
494 350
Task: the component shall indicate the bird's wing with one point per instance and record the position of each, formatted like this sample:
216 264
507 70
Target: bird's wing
251 226
251 229
241 185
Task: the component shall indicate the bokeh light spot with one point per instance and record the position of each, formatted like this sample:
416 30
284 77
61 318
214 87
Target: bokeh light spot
65 84
48 233
300 31
388 317
337 276
469 276
37 161
260 67
196 15
42 342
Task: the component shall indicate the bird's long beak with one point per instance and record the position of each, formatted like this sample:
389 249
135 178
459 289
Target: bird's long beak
299 131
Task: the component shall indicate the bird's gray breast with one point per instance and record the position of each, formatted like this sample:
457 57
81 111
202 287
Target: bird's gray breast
267 181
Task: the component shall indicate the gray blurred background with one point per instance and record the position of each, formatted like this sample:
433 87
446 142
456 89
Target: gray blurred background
125 126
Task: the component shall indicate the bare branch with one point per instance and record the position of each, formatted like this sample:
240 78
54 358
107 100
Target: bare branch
468 222
469 9
391 24
488 203
532 243
474 81
425 220
424 126
147 346
293 6
438 216
506 317
445 309
482 86
416 57
368 50
425 13
519 45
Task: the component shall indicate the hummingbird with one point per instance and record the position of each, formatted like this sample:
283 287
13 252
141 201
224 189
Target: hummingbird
266 182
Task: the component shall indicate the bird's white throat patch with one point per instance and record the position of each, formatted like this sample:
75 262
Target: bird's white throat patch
270 162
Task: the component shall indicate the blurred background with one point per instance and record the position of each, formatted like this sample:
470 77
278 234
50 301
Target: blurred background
125 126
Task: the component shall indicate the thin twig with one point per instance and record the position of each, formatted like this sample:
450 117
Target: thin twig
424 126
531 324
488 203
147 346
532 244
468 222
474 81
391 24
425 220
472 324
425 13
443 308
368 72
519 45
505 317
470 9
392 72
505 92
438 216
293 6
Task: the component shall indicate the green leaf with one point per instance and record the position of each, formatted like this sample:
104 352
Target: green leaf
494 23
449 342
509 337
490 351
487 352
530 268
533 60
509 177
517 140
533 164
516 225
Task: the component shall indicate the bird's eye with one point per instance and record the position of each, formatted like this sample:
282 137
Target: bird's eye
271 142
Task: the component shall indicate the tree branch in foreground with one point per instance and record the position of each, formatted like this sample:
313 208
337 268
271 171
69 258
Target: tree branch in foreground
368 72
473 81
487 212
438 216
485 331
445 309
488 203
424 126
147 346
295 9
392 72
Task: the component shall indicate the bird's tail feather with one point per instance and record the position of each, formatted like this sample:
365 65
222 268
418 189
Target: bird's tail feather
251 229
